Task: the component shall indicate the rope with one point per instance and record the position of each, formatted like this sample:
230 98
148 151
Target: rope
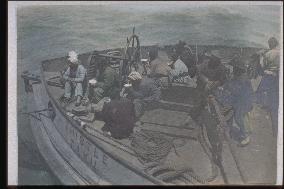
151 146
206 148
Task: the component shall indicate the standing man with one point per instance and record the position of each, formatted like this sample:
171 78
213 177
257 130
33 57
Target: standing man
238 94
268 90
74 77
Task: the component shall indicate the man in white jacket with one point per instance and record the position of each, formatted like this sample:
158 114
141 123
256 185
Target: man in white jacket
74 77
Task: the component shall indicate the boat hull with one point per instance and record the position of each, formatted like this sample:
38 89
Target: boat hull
106 169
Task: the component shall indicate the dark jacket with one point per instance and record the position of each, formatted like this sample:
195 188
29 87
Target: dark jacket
237 93
147 91
119 118
109 82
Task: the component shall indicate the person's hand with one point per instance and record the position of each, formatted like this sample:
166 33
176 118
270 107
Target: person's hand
93 82
209 85
127 89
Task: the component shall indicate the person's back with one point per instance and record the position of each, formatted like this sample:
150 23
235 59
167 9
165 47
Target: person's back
158 64
272 57
159 68
213 73
272 60
149 90
119 118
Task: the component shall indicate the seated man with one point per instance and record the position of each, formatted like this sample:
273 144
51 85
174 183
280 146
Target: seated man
119 118
184 53
178 67
142 91
74 77
211 73
107 84
179 72
159 70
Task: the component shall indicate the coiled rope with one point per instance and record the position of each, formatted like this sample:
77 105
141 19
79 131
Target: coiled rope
152 148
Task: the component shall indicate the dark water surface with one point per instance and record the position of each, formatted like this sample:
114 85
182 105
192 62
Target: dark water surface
46 32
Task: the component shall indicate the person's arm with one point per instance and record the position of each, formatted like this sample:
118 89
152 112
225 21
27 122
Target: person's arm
132 94
200 75
81 73
269 63
66 74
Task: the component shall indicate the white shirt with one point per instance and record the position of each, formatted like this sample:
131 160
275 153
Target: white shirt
179 68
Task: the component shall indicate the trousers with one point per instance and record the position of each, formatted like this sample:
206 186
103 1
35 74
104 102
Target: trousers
72 86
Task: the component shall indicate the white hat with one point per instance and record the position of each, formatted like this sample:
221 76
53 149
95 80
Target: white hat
73 57
135 76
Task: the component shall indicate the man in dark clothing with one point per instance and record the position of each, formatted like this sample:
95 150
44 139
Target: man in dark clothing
238 94
119 118
142 92
211 74
107 84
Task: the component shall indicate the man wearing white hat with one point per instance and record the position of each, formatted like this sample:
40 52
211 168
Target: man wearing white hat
74 77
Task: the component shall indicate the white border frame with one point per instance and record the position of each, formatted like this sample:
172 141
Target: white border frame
12 74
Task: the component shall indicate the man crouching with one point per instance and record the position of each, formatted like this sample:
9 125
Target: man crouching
141 91
74 77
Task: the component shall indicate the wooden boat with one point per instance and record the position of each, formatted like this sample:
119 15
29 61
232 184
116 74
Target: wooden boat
78 152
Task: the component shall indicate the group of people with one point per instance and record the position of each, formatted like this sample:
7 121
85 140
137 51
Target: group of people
127 106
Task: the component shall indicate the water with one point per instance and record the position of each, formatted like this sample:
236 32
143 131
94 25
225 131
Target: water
50 32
